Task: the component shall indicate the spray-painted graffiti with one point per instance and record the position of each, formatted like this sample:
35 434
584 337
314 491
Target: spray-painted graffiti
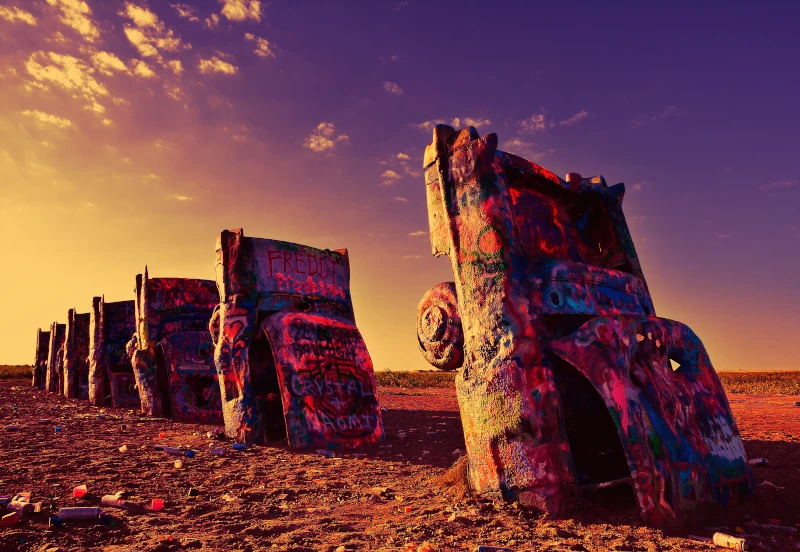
40 361
328 384
54 381
111 326
289 357
76 356
567 378
167 307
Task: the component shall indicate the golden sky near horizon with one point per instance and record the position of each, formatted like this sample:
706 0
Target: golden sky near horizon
132 133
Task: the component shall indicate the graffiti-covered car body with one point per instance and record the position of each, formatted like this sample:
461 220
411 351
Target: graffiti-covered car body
111 325
289 356
76 356
54 379
40 360
172 352
570 381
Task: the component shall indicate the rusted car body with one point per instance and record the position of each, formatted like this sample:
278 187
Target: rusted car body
40 361
111 326
290 359
570 381
54 379
172 352
76 356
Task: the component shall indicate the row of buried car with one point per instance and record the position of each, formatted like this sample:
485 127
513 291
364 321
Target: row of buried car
568 383
270 349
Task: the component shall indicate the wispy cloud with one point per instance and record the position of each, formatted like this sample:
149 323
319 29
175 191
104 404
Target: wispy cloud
389 176
65 72
324 138
525 149
539 122
217 65
211 22
668 111
400 199
148 34
14 14
77 14
455 122
108 63
393 88
241 10
396 167
186 11
179 197
639 186
263 49
779 184
412 256
418 233
723 236
141 69
47 119
403 156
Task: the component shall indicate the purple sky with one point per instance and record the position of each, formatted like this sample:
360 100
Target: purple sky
693 105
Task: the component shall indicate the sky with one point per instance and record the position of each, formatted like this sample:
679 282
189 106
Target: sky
133 132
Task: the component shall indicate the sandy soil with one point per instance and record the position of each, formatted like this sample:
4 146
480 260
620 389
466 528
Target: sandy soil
393 497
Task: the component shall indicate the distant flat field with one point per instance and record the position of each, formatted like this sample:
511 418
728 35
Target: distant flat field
751 383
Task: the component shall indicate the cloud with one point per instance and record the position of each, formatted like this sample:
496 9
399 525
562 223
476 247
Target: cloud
456 122
400 199
403 156
393 88
65 72
211 22
723 236
385 59
418 233
262 46
13 14
47 119
322 138
412 256
663 114
216 65
390 177
76 14
241 10
525 149
176 66
580 115
149 34
395 168
779 184
180 197
107 63
186 12
140 68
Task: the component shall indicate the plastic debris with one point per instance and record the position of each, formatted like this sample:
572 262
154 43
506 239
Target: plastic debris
401 435
216 433
13 427
58 429
21 504
44 421
162 436
492 549
55 521
9 519
79 491
758 462
157 504
79 513
189 454
4 500
730 542
123 448
239 446
178 464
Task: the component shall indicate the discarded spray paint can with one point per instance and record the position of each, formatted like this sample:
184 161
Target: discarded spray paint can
113 501
58 429
758 462
21 507
173 450
13 427
730 542
9 519
55 521
189 454
44 421
77 514
217 451
4 500
79 491
239 446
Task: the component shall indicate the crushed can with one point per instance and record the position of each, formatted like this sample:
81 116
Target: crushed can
730 542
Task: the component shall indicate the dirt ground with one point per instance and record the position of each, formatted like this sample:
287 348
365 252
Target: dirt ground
395 496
